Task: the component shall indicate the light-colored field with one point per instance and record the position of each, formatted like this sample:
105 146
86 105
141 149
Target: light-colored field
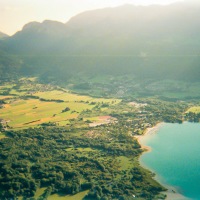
39 192
97 121
124 162
66 96
7 86
29 79
33 111
5 97
81 149
2 136
195 109
17 93
78 196
26 113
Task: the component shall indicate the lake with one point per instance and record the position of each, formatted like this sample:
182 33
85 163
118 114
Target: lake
175 157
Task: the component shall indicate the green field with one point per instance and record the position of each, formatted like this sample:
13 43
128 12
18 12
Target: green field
124 163
78 196
45 106
2 136
32 112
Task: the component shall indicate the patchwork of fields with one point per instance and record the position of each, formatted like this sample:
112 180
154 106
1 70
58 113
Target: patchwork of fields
23 107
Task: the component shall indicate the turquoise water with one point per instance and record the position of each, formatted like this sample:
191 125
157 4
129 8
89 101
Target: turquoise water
175 157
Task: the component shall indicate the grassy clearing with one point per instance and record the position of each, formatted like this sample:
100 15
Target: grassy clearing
82 152
78 196
81 149
2 136
124 162
195 109
39 192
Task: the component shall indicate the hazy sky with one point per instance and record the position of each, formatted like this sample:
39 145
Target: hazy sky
14 14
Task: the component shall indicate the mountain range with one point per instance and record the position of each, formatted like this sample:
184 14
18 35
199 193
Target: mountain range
137 39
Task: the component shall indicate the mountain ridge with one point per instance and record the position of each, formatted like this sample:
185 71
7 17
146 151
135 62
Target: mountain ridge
121 30
149 42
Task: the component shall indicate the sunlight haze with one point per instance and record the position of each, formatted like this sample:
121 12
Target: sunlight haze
14 14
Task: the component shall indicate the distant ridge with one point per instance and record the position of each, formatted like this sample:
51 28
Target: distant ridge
124 30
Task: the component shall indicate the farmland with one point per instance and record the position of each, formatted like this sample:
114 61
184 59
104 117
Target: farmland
23 107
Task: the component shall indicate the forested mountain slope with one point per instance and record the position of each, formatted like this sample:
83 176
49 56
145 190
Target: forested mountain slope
151 42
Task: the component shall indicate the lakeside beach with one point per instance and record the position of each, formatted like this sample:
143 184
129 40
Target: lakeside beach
171 193
148 132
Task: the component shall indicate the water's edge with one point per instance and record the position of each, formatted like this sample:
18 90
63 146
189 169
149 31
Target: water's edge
172 192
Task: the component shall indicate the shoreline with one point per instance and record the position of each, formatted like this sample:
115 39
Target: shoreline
172 192
147 132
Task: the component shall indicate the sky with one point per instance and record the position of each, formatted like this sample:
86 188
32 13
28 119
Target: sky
14 14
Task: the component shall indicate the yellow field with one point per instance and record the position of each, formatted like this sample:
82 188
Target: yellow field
66 96
195 109
5 97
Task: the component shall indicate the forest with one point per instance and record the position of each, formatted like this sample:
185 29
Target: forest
62 162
